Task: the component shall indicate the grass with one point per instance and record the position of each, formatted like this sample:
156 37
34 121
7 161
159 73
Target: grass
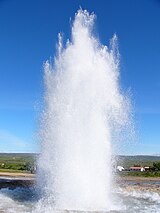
140 174
16 162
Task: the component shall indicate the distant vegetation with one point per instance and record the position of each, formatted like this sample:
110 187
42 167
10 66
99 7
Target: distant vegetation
141 174
142 160
153 162
25 162
17 162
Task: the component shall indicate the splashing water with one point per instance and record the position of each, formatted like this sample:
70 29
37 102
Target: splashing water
83 107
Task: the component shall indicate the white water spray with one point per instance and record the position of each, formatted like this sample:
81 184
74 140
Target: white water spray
83 106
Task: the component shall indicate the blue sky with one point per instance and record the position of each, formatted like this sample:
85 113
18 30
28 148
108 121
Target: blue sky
28 36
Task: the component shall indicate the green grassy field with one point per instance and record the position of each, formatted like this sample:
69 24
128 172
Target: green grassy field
17 162
140 174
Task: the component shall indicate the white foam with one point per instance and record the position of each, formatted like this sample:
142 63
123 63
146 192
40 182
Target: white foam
140 201
9 205
151 196
132 202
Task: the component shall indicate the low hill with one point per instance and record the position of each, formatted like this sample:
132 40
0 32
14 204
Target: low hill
142 160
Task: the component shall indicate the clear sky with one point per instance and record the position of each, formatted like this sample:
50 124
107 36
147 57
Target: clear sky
28 36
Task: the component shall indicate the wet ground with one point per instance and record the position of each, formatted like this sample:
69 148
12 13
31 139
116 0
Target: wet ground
131 195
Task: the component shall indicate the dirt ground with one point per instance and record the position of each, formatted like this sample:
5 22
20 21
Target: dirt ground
16 175
125 178
134 178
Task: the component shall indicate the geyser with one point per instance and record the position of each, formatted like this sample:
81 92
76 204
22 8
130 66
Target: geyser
83 107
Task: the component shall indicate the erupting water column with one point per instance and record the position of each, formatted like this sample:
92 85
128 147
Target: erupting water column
83 105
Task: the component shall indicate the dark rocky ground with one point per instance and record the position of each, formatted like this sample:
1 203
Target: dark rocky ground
140 183
14 183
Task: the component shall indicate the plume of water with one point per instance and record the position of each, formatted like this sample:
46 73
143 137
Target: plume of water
83 106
